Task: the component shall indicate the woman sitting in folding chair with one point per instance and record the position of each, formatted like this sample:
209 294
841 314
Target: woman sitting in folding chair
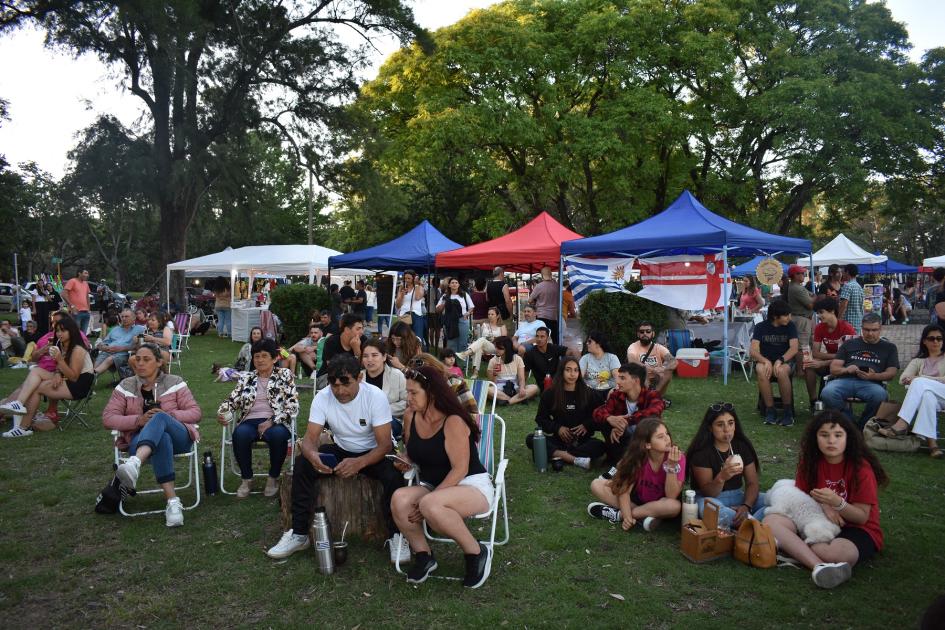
441 441
72 379
155 413
262 405
159 330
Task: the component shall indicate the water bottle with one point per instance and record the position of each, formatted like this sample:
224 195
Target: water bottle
609 474
547 383
818 406
210 479
690 511
321 531
540 451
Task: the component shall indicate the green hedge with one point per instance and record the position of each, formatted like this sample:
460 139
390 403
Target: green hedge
293 304
617 316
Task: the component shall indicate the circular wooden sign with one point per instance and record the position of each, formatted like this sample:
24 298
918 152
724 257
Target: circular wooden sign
769 272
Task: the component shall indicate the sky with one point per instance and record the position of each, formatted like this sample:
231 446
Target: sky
53 95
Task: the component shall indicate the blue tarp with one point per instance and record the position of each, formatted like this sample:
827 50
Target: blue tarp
748 268
890 266
686 227
417 249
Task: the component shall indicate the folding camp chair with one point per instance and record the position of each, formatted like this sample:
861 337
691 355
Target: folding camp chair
182 328
193 477
495 462
483 391
743 358
226 444
175 350
76 410
676 339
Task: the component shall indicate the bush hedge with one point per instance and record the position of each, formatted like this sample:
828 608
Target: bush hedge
617 316
293 304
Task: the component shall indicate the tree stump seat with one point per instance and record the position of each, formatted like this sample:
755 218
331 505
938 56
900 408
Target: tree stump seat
356 501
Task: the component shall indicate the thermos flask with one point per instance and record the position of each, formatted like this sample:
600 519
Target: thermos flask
322 535
690 511
540 451
210 479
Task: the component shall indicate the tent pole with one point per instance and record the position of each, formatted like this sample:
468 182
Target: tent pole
725 297
167 296
560 340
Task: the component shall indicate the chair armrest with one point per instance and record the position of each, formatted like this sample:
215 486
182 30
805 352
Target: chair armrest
500 472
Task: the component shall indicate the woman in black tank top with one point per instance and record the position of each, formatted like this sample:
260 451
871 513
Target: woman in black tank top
441 441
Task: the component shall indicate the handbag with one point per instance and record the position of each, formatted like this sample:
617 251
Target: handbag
111 496
509 388
755 545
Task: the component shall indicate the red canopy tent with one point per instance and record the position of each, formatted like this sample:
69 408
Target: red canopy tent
532 246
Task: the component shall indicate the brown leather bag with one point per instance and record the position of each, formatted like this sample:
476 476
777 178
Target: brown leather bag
755 545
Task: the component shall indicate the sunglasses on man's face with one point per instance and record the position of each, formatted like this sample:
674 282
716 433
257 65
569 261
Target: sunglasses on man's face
935 338
722 406
344 381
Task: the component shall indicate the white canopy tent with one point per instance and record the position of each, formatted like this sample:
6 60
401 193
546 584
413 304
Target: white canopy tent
841 251
937 261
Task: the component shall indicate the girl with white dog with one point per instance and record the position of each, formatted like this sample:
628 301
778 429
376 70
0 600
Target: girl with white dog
839 472
723 465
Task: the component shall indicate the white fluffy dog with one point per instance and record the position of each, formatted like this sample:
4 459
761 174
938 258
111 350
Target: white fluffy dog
812 525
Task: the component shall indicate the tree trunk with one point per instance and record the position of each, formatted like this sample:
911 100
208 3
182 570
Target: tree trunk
355 501
173 230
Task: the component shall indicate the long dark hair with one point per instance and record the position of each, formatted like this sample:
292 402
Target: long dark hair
409 342
704 439
441 395
461 291
923 351
75 336
632 462
508 354
854 455
581 390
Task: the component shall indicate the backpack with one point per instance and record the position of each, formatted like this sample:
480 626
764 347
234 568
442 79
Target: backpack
755 545
903 444
111 497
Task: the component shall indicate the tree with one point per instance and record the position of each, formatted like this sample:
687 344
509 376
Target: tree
208 70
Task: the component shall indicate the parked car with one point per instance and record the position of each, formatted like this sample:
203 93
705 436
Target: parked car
7 301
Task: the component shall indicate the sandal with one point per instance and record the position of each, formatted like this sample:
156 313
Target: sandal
937 453
890 432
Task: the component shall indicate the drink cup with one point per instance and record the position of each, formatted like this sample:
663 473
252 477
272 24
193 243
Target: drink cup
54 352
736 459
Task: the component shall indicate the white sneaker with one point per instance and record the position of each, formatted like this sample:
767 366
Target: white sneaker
831 574
16 432
650 523
128 472
289 544
15 407
583 462
174 513
398 547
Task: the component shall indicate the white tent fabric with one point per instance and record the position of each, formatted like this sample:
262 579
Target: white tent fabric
286 260
937 261
841 251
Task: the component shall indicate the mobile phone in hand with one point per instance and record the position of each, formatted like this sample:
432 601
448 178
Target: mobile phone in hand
328 459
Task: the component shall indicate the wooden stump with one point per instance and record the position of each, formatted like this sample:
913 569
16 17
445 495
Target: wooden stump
356 501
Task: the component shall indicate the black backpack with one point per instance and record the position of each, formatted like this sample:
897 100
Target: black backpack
111 496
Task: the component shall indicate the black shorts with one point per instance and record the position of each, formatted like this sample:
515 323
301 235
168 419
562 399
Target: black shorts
80 387
634 498
861 540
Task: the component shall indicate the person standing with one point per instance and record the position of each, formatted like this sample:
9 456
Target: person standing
851 298
801 304
370 303
456 307
221 306
409 303
76 295
545 299
497 292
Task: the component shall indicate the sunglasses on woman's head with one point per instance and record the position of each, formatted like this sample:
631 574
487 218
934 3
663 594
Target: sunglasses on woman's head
414 375
722 406
417 363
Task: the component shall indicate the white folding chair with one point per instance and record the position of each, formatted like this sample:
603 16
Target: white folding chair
741 356
495 462
485 393
182 328
175 350
193 477
226 445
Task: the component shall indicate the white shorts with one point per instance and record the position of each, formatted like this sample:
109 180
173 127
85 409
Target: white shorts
483 483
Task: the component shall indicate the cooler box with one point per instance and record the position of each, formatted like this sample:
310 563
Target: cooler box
693 363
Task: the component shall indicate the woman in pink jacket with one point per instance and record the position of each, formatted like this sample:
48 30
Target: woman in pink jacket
157 417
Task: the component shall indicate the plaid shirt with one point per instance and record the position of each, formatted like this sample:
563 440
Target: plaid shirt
853 293
649 403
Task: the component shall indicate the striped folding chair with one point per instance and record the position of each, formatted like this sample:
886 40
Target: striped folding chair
182 327
485 393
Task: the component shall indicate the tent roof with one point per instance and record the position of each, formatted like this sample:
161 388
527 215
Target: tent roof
687 227
842 251
890 266
748 268
417 249
298 260
935 261
535 244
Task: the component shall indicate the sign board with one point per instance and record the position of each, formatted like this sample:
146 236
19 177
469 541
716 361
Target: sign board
872 298
56 260
769 272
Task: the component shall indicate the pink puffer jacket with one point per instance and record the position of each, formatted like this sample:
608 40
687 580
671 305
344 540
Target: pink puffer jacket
127 404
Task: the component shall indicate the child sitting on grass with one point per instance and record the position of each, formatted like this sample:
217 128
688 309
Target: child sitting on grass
448 356
647 482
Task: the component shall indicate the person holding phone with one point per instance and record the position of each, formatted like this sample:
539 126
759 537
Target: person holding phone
360 420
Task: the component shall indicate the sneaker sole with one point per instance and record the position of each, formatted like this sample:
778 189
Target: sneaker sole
485 574
174 524
433 567
125 478
283 555
833 576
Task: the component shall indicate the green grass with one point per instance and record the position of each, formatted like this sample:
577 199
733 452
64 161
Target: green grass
63 564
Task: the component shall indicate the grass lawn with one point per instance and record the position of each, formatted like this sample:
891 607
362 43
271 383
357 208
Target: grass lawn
64 564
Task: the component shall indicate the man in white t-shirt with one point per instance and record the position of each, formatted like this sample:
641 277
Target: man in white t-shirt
360 420
656 358
524 339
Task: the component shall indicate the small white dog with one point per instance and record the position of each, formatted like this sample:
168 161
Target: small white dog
809 518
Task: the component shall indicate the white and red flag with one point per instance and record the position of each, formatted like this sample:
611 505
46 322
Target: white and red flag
691 283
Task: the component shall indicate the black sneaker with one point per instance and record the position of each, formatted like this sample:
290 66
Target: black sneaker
787 419
667 403
477 567
423 565
771 416
604 512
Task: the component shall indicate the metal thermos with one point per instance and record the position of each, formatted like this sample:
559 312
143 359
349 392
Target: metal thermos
210 479
818 406
540 451
690 511
321 530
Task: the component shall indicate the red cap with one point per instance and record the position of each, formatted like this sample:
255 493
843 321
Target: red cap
793 269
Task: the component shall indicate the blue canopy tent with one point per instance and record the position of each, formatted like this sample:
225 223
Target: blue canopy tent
748 268
890 266
417 249
688 227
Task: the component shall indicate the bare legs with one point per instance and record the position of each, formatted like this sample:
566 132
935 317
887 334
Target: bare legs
782 373
837 550
661 508
443 509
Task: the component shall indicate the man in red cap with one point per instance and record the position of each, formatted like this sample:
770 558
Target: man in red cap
801 303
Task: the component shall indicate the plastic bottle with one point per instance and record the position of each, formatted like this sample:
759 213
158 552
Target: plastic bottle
321 531
210 480
690 511
540 451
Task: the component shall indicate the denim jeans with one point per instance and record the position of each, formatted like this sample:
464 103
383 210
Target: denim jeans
167 437
462 340
277 437
82 319
224 321
419 326
368 314
383 324
732 499
837 390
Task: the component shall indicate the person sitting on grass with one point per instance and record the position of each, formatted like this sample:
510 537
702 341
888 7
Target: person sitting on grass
244 360
626 405
647 483
829 334
113 349
261 407
566 416
71 380
507 370
861 368
156 415
542 360
925 397
441 441
449 360
360 419
658 360
10 340
403 345
840 472
773 347
489 331
307 348
723 465
599 365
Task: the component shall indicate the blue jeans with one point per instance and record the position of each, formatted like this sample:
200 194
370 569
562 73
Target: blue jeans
82 319
419 326
277 437
462 340
167 437
837 390
732 499
224 321
368 314
383 321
